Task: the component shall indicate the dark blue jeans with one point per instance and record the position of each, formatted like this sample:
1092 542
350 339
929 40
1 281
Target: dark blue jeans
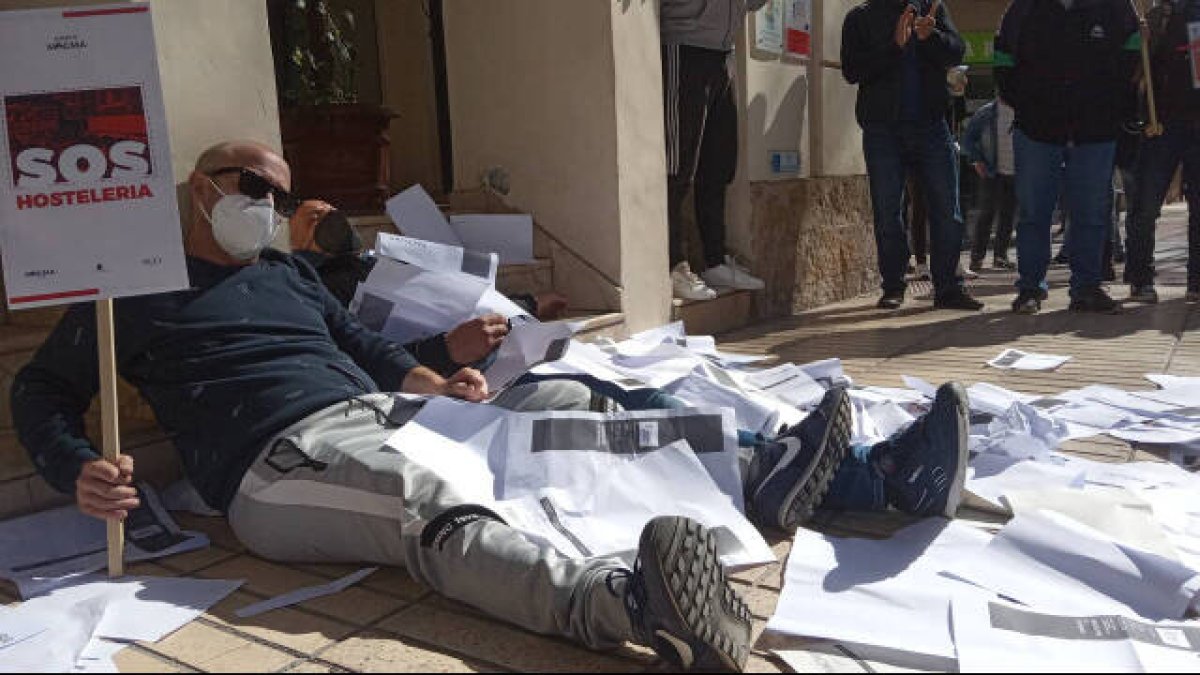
857 486
1085 171
1160 157
927 150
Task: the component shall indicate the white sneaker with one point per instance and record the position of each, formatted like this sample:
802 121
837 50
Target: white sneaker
687 286
967 272
922 273
733 275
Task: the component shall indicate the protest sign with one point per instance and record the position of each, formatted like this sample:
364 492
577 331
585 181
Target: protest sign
87 195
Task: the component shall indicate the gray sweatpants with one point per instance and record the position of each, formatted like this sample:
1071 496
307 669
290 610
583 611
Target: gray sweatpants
327 489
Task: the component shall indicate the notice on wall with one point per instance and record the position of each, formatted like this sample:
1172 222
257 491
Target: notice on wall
798 24
768 27
87 195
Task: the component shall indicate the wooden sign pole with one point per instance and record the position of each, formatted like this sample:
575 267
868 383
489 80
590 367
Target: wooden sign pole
106 339
1154 128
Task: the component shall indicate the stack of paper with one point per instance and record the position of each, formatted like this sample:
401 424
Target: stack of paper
510 236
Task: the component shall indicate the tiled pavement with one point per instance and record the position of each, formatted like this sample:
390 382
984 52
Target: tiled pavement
391 623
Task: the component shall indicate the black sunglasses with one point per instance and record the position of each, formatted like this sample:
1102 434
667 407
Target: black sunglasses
255 186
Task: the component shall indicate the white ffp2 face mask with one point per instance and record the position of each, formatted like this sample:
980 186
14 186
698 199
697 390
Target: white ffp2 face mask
243 226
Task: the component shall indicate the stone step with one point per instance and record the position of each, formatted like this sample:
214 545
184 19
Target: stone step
729 311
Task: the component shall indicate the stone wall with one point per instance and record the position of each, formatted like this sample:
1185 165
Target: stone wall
811 241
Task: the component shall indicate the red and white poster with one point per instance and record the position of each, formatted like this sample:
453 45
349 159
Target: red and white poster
798 27
87 195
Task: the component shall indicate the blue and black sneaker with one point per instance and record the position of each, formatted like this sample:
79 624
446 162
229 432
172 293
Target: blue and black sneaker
789 476
925 465
680 602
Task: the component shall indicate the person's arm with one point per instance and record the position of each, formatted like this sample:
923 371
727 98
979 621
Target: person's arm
862 60
943 46
1004 55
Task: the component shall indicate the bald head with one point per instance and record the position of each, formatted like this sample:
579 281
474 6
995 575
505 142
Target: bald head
242 153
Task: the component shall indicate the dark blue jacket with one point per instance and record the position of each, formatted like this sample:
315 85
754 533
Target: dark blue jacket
981 138
225 366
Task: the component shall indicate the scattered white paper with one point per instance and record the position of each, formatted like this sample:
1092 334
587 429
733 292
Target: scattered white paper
37 563
1049 561
1178 391
788 383
97 657
304 594
993 476
995 636
494 302
528 344
993 400
1022 432
47 637
1117 512
920 386
509 235
1159 431
407 303
1015 359
886 593
416 215
140 608
434 257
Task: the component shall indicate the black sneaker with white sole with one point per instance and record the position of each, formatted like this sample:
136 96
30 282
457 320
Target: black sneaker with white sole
789 476
680 602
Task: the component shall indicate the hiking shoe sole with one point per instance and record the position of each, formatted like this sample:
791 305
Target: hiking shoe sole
680 567
807 494
954 496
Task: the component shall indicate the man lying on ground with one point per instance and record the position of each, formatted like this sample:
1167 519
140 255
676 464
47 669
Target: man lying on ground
272 394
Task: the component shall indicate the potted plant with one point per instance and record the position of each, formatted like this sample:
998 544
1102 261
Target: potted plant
338 148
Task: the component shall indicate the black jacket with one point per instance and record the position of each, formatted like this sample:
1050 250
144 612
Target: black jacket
1068 72
225 366
872 60
1177 100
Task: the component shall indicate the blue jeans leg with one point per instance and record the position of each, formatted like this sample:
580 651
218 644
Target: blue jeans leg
1089 169
858 485
886 174
931 149
1039 174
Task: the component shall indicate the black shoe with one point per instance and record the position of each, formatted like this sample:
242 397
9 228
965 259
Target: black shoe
925 465
680 602
1060 259
1029 302
1094 300
1143 293
789 476
891 300
1118 255
1109 273
957 299
1003 264
976 266
1192 295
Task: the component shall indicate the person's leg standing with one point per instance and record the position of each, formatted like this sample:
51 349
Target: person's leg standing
1191 191
886 174
933 151
1038 179
1159 158
685 99
1088 181
989 192
1007 196
716 167
919 223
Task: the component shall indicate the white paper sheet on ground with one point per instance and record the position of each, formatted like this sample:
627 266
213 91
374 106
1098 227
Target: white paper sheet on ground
407 303
993 400
1015 359
1159 432
304 594
528 344
751 412
434 257
659 333
788 383
921 386
454 439
876 421
47 637
1050 561
887 592
565 449
509 235
828 372
1133 474
1131 401
51 548
97 657
588 359
658 370
142 608
1022 432
416 215
607 515
1179 391
1000 637
493 302
1177 512
992 476
1116 512
902 397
